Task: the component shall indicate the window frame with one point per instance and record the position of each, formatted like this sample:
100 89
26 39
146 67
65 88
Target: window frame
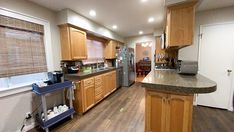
47 45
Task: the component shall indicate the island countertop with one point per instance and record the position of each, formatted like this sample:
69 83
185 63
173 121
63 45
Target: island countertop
171 81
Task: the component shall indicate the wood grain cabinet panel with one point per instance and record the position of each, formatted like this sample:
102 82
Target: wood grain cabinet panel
179 113
99 88
166 112
155 112
88 93
73 43
180 24
92 90
110 50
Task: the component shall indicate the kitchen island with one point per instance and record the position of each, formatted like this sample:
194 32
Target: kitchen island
169 99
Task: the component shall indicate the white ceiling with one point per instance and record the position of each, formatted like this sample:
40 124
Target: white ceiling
130 16
213 4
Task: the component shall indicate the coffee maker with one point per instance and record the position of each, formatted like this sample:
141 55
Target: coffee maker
55 77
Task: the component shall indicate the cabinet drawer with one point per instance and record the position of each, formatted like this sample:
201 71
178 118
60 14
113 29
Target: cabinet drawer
98 79
88 82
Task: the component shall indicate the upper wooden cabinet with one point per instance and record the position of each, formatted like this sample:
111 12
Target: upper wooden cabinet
180 24
73 43
110 50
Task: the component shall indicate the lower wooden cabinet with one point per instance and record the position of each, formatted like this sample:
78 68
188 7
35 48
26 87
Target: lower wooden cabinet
110 82
168 112
90 91
99 88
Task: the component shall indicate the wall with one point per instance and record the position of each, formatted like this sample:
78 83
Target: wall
69 16
221 15
14 106
142 52
132 41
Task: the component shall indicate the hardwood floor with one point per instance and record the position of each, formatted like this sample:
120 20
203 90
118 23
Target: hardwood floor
123 111
139 78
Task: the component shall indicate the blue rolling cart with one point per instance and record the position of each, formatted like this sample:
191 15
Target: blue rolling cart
42 91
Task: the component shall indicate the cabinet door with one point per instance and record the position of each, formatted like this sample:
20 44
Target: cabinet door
106 84
180 24
110 50
88 97
179 113
78 44
65 43
155 112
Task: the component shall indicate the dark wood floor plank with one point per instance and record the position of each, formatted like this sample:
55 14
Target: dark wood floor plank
123 111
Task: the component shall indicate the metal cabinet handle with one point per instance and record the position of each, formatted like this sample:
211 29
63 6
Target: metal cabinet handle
229 70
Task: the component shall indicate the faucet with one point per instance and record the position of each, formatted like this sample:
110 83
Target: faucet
97 65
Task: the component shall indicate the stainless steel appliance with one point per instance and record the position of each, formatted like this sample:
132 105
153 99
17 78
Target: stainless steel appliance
119 77
187 67
128 66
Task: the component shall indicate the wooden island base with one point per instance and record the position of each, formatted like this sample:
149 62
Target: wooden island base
168 112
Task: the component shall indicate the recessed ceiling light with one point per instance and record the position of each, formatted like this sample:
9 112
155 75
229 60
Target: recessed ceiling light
114 27
144 1
151 19
140 32
92 13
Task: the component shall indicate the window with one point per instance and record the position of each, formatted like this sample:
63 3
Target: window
22 50
22 47
95 52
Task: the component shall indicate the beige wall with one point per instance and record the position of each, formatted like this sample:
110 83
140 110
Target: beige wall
14 107
221 15
142 52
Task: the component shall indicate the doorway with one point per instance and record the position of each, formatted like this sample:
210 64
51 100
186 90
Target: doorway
216 61
143 60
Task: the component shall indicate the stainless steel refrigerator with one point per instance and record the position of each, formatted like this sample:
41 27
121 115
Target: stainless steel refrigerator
128 66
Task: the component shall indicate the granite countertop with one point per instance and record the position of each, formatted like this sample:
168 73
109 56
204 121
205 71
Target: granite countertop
171 81
83 75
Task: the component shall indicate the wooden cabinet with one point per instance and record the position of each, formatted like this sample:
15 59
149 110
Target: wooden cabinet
92 90
99 88
168 112
180 24
73 43
155 112
88 93
110 50
109 82
106 84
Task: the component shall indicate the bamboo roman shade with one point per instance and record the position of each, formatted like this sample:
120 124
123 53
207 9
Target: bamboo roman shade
22 48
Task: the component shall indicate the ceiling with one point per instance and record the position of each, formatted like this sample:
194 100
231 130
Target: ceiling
213 4
130 16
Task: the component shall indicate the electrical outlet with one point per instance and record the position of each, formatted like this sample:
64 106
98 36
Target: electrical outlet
28 115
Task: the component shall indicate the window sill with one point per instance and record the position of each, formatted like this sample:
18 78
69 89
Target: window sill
15 91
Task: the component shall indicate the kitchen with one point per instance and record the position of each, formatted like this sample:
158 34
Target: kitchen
122 107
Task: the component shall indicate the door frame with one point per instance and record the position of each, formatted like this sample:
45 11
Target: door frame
152 53
231 94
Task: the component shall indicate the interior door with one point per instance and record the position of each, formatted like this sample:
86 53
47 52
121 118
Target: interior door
216 61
